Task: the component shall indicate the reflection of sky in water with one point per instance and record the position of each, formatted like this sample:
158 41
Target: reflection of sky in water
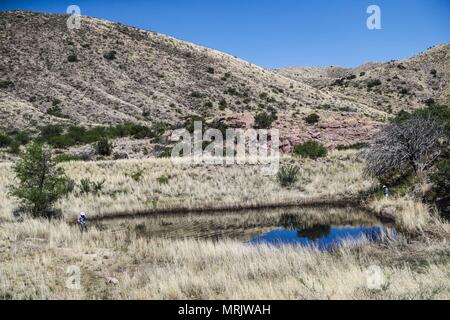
323 237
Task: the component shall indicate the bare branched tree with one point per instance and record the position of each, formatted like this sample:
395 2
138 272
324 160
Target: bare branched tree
399 147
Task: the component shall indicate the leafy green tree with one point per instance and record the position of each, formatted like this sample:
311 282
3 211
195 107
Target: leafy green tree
40 181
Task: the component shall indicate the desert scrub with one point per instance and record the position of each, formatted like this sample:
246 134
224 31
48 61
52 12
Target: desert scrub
312 118
288 175
311 149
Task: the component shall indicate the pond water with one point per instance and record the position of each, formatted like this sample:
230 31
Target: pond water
322 228
323 237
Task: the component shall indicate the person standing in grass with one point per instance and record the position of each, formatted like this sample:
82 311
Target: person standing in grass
82 222
386 191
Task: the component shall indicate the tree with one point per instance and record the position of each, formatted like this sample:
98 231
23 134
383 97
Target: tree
40 181
413 144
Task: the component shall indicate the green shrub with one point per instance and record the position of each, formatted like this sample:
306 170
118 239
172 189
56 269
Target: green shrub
104 147
440 113
5 84
67 158
137 175
72 58
311 149
163 180
22 137
441 179
110 55
355 146
5 141
196 94
288 175
85 186
373 83
264 120
40 182
312 118
222 104
208 105
210 70
14 148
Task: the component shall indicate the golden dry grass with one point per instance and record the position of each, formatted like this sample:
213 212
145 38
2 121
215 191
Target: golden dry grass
197 186
36 253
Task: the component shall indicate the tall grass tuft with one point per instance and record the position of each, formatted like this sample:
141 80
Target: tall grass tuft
288 175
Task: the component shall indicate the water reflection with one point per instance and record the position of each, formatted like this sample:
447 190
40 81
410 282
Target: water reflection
321 236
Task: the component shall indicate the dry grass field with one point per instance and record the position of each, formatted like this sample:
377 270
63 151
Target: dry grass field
133 185
117 262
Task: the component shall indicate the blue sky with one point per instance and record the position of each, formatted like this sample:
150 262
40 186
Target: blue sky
277 33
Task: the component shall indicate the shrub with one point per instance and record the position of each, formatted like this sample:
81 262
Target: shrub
354 146
222 104
110 55
50 131
5 84
137 175
311 149
22 137
40 182
264 120
67 158
210 70
14 147
405 147
373 83
208 105
196 94
5 141
288 175
72 58
104 147
163 180
85 186
441 179
312 118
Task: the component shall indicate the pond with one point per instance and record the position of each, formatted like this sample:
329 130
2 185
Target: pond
322 228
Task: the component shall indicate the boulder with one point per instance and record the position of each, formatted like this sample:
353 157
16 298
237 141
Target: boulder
388 212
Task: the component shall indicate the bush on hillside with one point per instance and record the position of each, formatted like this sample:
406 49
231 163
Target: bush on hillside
312 118
311 149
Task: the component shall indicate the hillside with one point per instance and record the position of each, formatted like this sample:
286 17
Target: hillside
389 87
106 73
147 77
